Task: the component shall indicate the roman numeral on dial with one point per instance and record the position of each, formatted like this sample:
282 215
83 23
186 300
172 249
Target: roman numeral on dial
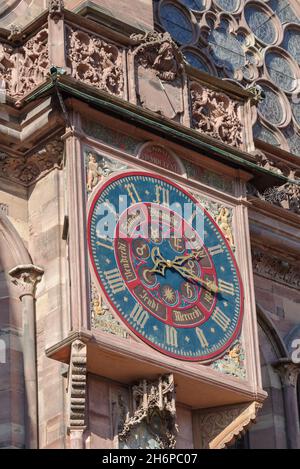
139 315
226 287
171 336
115 280
221 319
214 250
201 337
162 195
133 193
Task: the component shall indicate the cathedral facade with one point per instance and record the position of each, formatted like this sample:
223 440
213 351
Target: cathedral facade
149 224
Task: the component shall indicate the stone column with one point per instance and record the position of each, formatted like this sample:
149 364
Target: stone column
26 277
289 372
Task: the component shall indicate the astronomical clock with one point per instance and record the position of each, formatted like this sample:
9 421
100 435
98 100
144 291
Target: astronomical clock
164 266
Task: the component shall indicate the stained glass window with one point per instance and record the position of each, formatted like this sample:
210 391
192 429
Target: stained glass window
196 61
296 111
261 133
293 139
177 23
197 5
228 5
260 23
291 42
284 11
270 107
280 71
226 50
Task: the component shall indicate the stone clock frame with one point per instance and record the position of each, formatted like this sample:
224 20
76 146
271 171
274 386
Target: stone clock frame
197 386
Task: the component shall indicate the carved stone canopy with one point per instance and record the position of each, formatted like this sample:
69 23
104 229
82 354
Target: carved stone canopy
153 402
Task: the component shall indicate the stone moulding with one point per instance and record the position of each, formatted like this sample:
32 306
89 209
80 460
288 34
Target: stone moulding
215 114
218 428
276 269
27 169
152 399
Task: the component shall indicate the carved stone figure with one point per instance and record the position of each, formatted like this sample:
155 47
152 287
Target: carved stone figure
94 172
223 220
216 115
94 61
153 404
55 8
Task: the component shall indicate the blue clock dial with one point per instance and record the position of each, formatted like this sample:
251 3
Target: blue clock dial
164 266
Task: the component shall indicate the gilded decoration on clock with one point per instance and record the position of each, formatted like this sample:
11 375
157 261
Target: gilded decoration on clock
102 318
164 265
99 167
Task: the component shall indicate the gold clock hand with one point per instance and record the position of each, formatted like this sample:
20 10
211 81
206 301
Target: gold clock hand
179 260
159 262
210 285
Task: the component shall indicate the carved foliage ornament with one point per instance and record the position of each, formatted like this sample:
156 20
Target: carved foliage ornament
25 67
26 169
94 61
275 269
286 196
288 372
152 400
216 115
275 166
233 362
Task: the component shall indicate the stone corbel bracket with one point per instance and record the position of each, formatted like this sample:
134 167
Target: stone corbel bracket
218 428
77 393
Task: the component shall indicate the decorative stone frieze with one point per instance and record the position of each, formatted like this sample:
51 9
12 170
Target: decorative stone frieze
216 115
26 278
275 166
153 401
286 196
94 61
26 169
25 67
278 270
219 427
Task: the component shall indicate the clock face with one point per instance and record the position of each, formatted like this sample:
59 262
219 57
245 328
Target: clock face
164 266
